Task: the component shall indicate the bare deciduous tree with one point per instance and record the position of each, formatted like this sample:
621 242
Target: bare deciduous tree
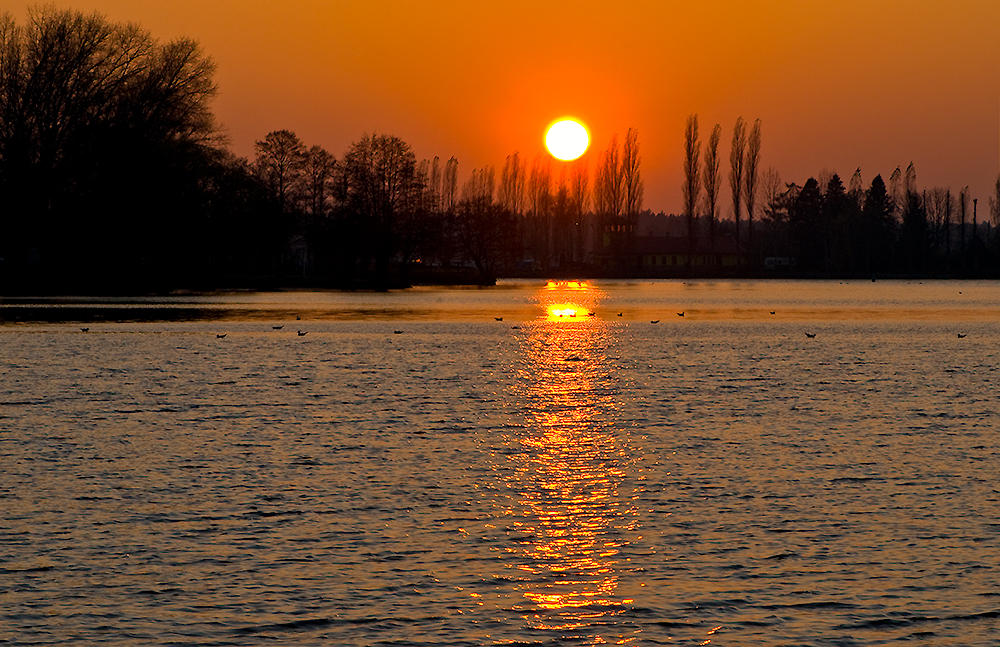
910 179
995 204
710 178
736 161
87 106
279 157
896 192
856 188
485 232
540 187
511 195
435 182
963 208
449 187
750 170
318 168
774 190
579 198
609 195
692 180
948 206
380 174
539 196
630 173
936 202
480 185
578 187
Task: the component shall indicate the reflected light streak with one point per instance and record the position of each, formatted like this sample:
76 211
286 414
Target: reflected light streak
572 510
562 311
568 300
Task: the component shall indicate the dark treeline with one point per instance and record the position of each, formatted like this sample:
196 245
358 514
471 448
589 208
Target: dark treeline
825 228
114 178
108 152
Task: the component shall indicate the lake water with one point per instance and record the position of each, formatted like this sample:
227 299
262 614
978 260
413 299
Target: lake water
413 471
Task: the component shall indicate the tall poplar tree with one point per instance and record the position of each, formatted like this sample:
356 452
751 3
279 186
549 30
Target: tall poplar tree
736 161
750 172
710 178
692 179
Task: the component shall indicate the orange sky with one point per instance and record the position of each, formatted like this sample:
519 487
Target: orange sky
837 84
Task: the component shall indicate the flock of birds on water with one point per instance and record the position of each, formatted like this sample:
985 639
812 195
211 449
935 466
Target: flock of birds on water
590 313
303 333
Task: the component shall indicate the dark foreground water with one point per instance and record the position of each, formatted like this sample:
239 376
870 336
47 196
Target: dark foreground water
414 472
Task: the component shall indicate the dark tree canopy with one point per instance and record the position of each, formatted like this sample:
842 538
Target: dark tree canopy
381 176
381 182
280 155
104 132
113 178
878 225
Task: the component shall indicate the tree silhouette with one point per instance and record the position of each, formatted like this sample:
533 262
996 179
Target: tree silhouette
692 180
97 120
449 185
539 203
910 179
949 204
856 188
435 182
486 232
750 168
736 162
318 172
896 191
280 157
579 195
380 176
805 221
914 236
511 196
631 176
609 192
995 205
115 178
878 226
480 185
963 207
710 178
836 221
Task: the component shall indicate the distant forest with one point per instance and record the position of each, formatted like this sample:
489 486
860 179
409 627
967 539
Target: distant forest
114 178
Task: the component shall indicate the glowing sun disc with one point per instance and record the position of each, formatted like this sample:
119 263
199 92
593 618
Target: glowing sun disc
567 139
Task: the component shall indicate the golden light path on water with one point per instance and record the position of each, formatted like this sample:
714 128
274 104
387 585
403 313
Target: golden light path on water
573 512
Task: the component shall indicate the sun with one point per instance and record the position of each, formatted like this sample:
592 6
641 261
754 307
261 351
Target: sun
567 139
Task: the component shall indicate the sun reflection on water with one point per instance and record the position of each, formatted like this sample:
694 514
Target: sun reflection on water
572 511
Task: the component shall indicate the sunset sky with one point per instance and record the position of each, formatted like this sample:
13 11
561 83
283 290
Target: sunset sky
837 84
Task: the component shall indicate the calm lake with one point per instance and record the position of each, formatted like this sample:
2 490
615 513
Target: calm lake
518 465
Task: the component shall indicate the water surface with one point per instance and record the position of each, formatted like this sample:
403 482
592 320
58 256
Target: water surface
414 471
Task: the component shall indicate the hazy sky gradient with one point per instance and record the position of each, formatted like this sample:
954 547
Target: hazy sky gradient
837 84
